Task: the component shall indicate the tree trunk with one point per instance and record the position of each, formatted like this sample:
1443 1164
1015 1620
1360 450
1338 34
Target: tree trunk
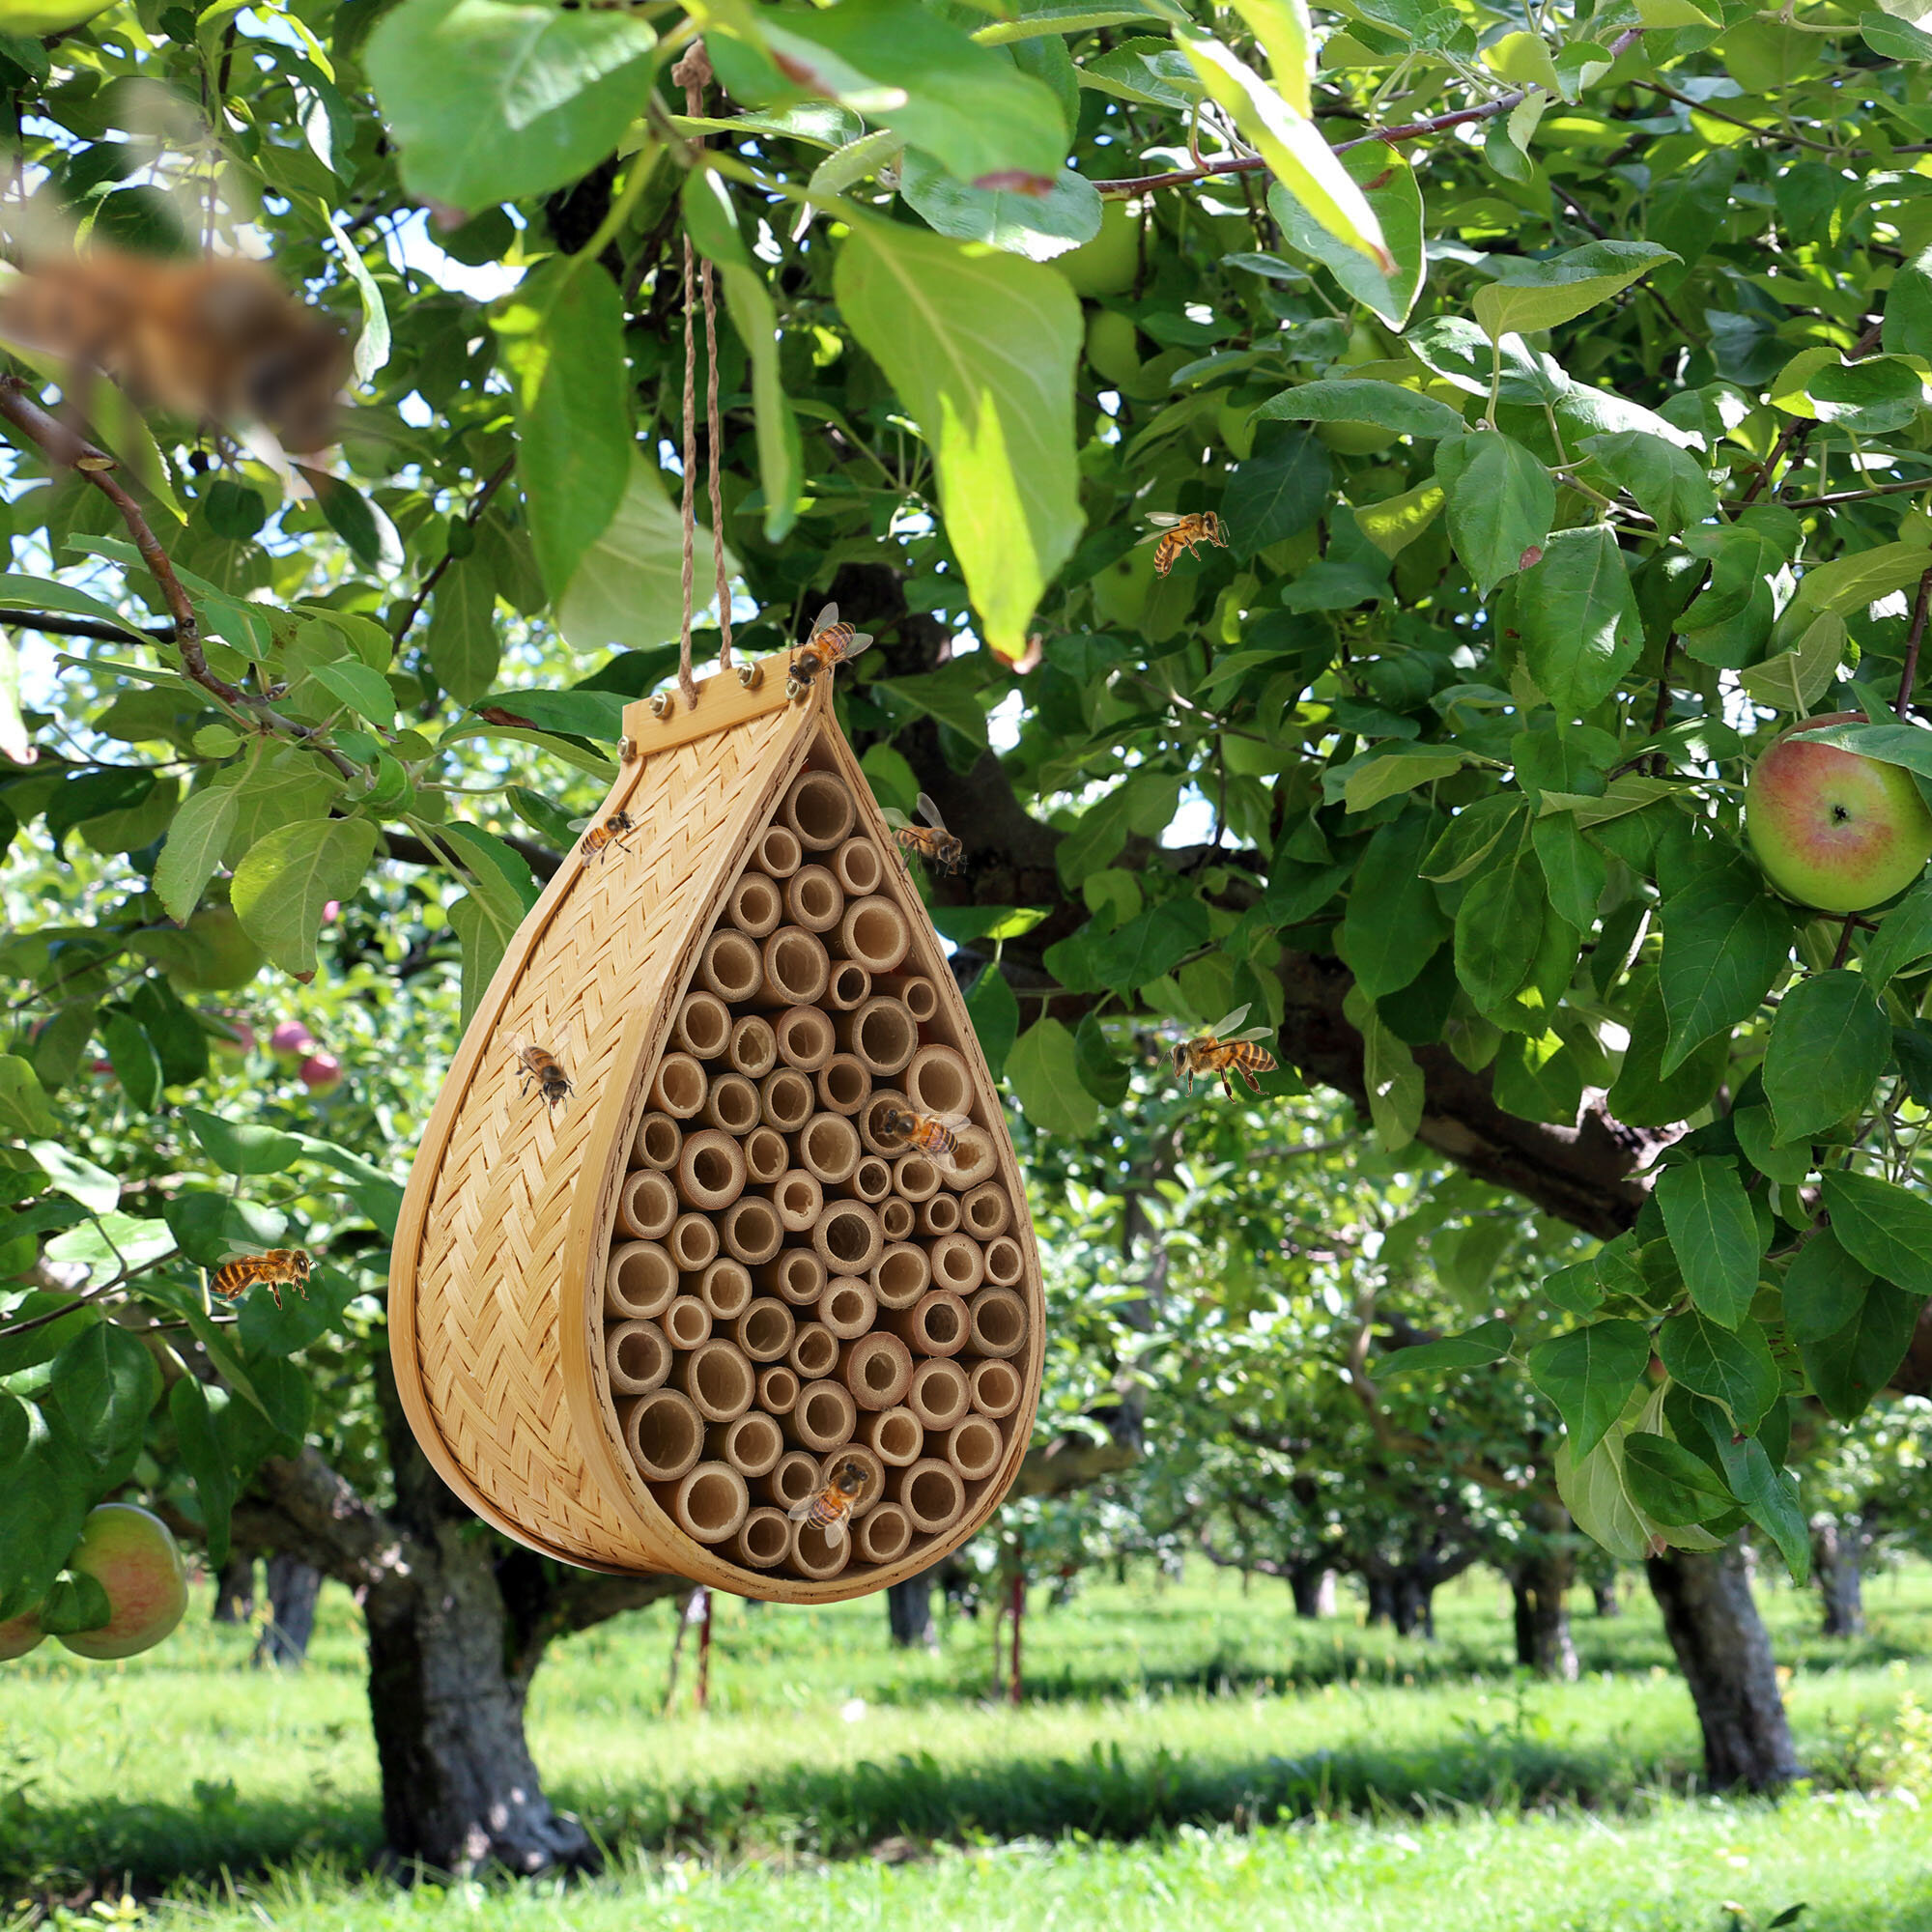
1414 1607
1838 1560
293 1589
1603 1599
1540 1582
1313 1587
235 1588
1381 1599
909 1611
1722 1649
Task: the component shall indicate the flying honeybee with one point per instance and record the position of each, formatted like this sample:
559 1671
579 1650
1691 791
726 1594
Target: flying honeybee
275 1270
941 850
600 839
538 1064
934 1135
1176 534
830 646
831 1508
1222 1052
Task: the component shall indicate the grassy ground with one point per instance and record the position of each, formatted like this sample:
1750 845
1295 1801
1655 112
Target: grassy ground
1187 1751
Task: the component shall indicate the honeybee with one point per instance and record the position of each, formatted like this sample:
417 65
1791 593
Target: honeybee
1176 534
831 645
943 851
831 1508
935 1135
534 1062
275 1270
1222 1051
600 839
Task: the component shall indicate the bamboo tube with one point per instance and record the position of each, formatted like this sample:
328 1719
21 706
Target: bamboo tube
935 1324
846 1236
703 1025
1005 1261
687 1322
999 1321
764 1536
973 1160
819 810
710 1171
915 1177
814 1351
796 967
711 1503
798 1200
726 1288
896 1219
871 1180
658 1140
730 966
958 1263
939 1395
940 1215
767 1156
931 1494
827 1147
798 1275
884 1535
893 1435
804 1038
995 1388
662 1433
824 1417
844 1086
874 932
880 1032
752 1442
786 1099
755 906
753 1049
985 1211
778 1388
901 1275
765 1329
870 1121
813 899
639 1280
750 1229
870 1467
719 1379
847 1307
817 1554
974 1448
877 1369
679 1087
646 1204
937 1082
858 866
731 1104
795 1479
777 853
693 1243
637 1357
915 992
850 985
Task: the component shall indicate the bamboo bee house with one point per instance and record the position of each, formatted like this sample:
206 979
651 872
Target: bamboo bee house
634 1329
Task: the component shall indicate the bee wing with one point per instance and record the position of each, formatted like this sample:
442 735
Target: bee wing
243 1250
863 642
562 1045
825 619
1255 1032
518 1042
896 818
1225 1029
929 812
1162 519
952 1123
581 824
800 1511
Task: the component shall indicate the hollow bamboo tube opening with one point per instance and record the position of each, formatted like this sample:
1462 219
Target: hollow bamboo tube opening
871 1180
762 1539
804 1038
973 1160
998 1318
778 852
730 966
687 1322
940 1215
813 899
637 1357
985 1211
815 1350
974 1447
958 1263
881 1033
662 1433
719 1379
639 1280
846 1236
798 1275
765 1330
857 867
893 1435
755 906
646 1204
796 968
703 1025
754 1047
752 1442
658 1140
693 1243
844 1086
750 1229
711 1503
828 1147
884 1535
767 1157
877 1369
819 810
1005 1261
778 1388
901 1275
824 1415
938 1082
711 1169
935 1324
798 1200
726 1288
938 1394
995 1388
915 1177
896 1219
874 932
794 1480
679 1088
915 992
731 1104
850 985
870 1468
871 1121
847 1307
817 1553
931 1494
786 1099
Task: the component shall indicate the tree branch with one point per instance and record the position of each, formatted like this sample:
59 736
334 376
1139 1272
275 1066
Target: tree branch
300 1504
478 503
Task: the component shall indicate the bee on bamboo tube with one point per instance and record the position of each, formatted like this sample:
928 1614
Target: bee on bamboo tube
273 1268
935 1135
1176 534
1222 1052
538 1064
601 840
831 1508
830 646
943 851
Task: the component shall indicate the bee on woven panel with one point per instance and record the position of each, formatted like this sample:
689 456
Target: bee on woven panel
541 1064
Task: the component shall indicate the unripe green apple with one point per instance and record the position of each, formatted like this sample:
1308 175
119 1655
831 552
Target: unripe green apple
1107 265
133 1557
19 1635
1833 829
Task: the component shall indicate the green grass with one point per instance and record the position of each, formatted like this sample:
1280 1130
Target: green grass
1183 1747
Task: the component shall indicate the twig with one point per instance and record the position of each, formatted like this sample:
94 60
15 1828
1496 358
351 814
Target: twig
57 626
1844 941
477 506
1750 126
1909 675
1854 495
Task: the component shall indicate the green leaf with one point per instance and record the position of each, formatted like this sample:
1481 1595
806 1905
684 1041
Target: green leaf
1828 1045
587 714
1277 492
1476 1348
1389 1072
364 691
377 1194
1575 870
1388 184
1733 1369
1499 925
1588 1374
1903 939
1595 1489
94 1187
1851 1365
1385 405
1530 295
951 694
1500 505
1378 777
1786 1165
995 1014
1714 1235
1153 943
105 1382
1669 1483
980 347
1770 1497
280 888
1394 923
242 1148
1577 618
196 838
205 1460
1795 680
78 1602
1038 226
1725 939
23 1103
1044 1071
1896 39
461 640
132 1059
43 1505
1883 1226
1824 1288
483 937
1103 1077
